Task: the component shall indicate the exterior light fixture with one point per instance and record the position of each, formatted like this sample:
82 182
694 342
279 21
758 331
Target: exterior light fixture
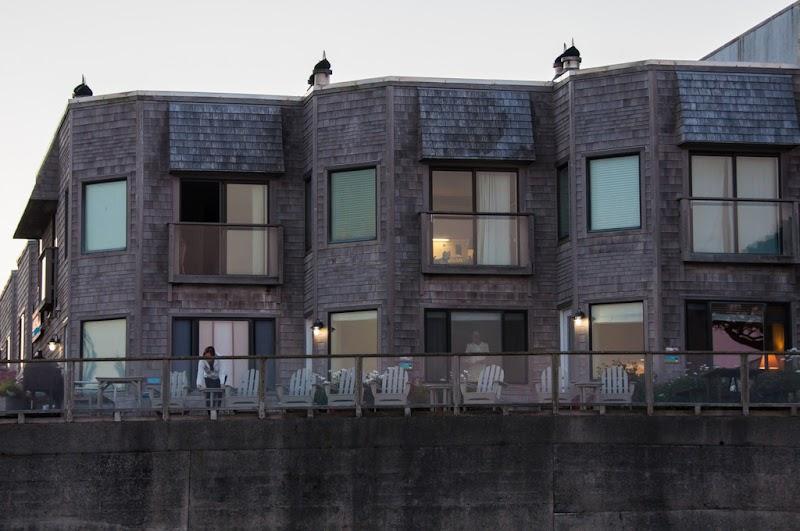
317 326
578 317
53 344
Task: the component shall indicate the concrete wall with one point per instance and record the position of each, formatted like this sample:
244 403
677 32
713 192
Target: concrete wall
524 472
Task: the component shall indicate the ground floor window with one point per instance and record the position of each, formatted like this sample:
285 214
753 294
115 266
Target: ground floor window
354 332
103 339
477 333
229 337
617 327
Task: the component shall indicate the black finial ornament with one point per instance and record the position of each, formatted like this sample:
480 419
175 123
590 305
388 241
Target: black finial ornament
322 67
82 90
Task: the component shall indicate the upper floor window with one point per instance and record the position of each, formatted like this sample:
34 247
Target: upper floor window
562 184
105 216
734 207
353 206
224 202
614 193
474 218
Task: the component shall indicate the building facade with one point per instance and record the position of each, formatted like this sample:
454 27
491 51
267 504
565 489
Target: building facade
644 206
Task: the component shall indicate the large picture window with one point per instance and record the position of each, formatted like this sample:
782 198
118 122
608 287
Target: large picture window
105 216
474 218
103 339
614 193
732 212
353 206
617 327
476 333
353 333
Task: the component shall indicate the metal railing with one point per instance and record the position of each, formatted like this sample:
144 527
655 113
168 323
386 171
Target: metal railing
223 252
553 382
474 241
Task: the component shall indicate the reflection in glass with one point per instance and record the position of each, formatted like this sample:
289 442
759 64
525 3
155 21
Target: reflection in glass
104 339
617 327
354 333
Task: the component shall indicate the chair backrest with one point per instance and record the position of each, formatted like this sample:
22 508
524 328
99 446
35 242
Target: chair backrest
546 385
300 383
177 384
615 381
490 375
394 380
248 385
347 381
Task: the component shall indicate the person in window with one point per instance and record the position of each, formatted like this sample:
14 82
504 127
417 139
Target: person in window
477 345
211 374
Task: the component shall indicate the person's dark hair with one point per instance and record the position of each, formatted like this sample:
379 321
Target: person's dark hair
209 350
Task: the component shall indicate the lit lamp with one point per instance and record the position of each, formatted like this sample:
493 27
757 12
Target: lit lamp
53 344
578 317
317 327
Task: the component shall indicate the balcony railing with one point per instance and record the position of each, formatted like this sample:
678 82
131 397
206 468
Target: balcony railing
226 254
746 230
558 382
482 243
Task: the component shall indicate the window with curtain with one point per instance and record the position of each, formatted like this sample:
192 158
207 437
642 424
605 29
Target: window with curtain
725 217
353 333
353 206
617 327
468 225
105 216
476 333
103 339
562 178
614 193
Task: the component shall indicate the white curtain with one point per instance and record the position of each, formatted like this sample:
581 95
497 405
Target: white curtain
497 235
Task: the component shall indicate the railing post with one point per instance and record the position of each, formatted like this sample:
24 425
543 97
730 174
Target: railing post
262 383
456 364
165 390
69 389
555 384
744 387
649 395
359 385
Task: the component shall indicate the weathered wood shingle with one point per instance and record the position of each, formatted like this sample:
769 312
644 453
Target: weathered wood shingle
475 124
225 137
737 108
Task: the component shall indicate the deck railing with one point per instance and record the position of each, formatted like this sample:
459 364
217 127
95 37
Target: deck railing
552 382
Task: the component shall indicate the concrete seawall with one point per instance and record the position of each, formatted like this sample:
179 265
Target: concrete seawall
493 472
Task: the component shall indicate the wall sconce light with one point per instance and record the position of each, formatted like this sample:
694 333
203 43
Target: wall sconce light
578 317
53 344
317 327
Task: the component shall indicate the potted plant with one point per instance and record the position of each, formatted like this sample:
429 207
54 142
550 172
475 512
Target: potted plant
11 395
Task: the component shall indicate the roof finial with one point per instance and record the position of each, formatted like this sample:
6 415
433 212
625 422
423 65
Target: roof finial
323 54
82 90
573 41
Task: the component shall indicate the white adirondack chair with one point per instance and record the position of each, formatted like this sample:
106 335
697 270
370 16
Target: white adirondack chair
246 394
178 390
490 385
615 386
345 394
300 393
394 388
545 388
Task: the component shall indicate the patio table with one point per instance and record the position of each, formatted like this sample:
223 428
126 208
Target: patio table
584 388
104 382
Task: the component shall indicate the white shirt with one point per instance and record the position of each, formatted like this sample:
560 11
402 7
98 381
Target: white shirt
483 346
204 371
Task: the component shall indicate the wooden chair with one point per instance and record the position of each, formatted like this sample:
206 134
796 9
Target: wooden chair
394 388
488 389
544 389
246 394
300 393
178 390
615 386
345 394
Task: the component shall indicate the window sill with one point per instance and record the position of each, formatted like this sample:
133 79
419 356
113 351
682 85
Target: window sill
731 258
241 280
442 269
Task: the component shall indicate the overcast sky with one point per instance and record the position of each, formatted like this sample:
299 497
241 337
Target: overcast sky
269 47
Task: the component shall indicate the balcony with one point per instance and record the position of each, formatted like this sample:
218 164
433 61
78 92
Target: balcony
476 244
218 253
738 230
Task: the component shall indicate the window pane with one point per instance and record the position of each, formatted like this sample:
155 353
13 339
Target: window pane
246 203
182 348
453 239
618 327
104 339
436 369
105 216
759 228
200 201
614 193
514 340
713 228
736 327
497 191
451 191
712 176
476 333
757 177
353 208
246 251
563 202
229 338
354 333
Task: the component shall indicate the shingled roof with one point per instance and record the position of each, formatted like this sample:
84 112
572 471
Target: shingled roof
475 124
722 107
225 137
